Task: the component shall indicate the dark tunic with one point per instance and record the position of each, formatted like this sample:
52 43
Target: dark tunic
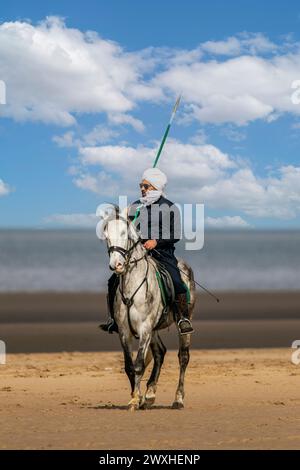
159 221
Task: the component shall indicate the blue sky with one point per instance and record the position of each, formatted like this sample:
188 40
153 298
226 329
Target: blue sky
85 112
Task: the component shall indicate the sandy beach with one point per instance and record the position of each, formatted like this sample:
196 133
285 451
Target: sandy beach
235 399
63 386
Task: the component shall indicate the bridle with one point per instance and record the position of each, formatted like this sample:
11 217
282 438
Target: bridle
127 253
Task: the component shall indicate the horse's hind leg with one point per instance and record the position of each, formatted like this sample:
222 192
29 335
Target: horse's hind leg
158 351
184 357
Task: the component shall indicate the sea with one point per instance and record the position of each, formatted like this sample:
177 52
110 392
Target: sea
76 260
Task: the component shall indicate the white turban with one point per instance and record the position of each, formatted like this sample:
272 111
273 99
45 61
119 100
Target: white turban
156 177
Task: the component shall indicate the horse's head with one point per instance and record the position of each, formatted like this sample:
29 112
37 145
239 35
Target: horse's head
120 236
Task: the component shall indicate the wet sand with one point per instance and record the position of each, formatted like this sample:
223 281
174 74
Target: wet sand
53 322
242 391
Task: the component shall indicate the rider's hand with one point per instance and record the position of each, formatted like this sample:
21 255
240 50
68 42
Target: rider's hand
150 244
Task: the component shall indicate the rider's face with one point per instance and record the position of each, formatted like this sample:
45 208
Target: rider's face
145 189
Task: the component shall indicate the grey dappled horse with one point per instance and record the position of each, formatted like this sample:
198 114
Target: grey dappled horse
138 307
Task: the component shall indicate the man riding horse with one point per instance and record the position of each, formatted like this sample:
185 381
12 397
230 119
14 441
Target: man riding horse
166 226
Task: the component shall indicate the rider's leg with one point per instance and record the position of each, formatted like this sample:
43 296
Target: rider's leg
181 313
111 325
180 306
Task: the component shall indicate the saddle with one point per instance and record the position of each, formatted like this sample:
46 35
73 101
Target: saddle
165 283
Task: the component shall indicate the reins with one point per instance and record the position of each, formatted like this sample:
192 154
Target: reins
128 301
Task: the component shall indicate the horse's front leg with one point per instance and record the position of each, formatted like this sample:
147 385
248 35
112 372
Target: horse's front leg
128 362
139 369
158 351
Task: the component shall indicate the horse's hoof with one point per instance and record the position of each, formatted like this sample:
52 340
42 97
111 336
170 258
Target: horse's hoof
147 403
177 405
143 404
134 404
133 407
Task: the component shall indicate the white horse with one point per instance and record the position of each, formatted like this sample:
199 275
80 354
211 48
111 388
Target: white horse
138 308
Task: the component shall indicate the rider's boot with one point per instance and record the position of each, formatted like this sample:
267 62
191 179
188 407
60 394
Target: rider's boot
110 326
181 312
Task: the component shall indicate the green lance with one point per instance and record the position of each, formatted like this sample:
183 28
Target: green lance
161 146
166 131
154 165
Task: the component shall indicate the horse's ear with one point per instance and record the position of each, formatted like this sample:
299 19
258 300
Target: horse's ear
107 210
100 229
133 235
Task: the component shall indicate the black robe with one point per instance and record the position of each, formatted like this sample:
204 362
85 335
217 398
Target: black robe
161 221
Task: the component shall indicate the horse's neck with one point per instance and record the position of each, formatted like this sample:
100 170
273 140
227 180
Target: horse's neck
137 270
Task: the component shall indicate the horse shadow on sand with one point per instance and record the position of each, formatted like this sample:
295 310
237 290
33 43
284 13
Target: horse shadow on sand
125 407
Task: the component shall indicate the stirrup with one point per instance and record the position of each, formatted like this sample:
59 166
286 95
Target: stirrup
110 326
188 329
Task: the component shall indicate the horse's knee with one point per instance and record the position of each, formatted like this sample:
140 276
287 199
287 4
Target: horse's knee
139 366
129 369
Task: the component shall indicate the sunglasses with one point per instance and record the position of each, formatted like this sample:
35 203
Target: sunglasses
146 186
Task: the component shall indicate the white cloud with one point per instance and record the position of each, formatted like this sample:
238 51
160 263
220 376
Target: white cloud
235 135
102 183
137 124
116 157
199 138
66 140
237 90
230 46
269 197
72 220
254 43
226 222
197 164
196 173
53 72
4 188
99 134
